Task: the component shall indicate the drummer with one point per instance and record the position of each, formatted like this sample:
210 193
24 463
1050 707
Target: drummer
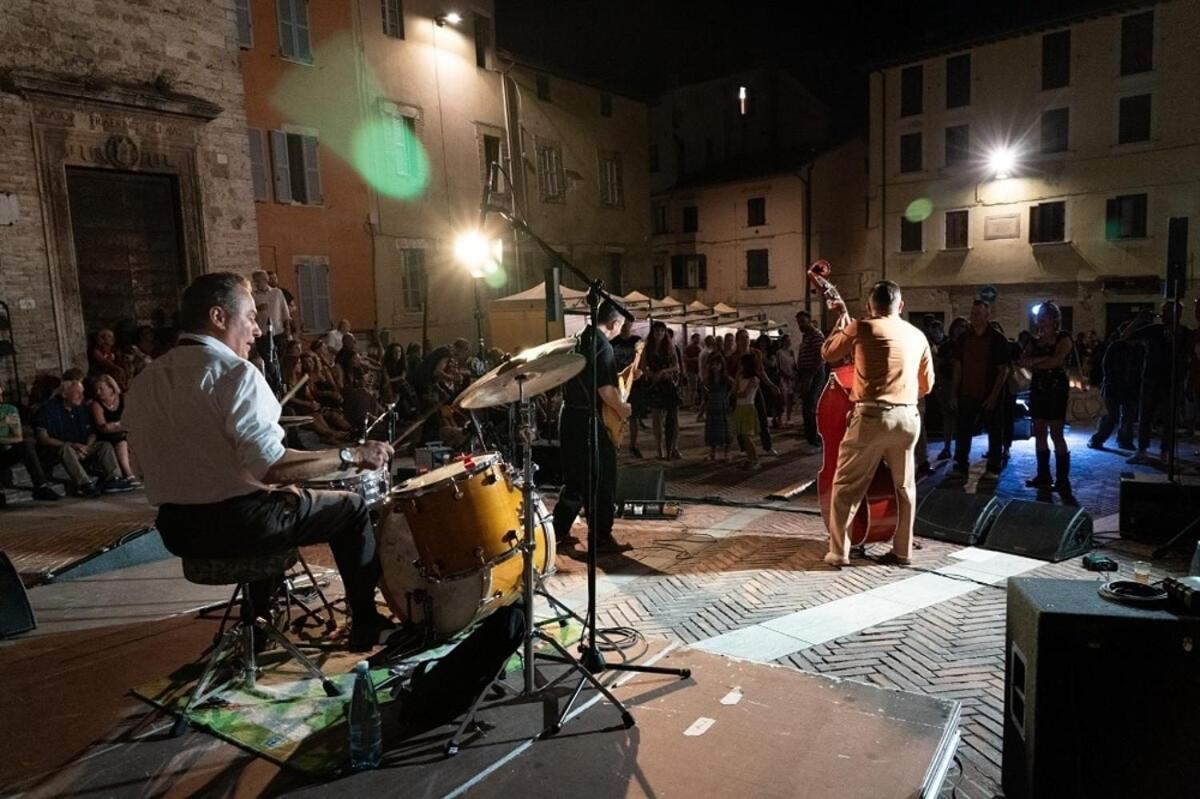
203 424
575 431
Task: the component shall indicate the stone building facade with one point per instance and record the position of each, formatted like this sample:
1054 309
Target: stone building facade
124 160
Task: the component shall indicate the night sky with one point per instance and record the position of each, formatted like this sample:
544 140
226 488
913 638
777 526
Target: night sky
641 47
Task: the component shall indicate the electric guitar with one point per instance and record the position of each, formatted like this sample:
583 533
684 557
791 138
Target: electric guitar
613 423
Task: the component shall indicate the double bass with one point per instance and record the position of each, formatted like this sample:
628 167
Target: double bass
875 520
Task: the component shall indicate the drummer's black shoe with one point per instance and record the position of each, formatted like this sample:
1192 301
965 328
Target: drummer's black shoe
365 633
609 545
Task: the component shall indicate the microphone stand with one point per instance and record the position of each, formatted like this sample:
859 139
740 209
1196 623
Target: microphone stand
590 654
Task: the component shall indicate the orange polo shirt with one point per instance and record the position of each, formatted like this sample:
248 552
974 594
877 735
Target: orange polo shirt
892 361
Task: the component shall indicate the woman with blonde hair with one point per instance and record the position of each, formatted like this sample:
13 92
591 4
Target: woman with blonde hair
1046 356
107 409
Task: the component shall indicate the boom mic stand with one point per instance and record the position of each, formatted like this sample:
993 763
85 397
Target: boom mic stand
590 654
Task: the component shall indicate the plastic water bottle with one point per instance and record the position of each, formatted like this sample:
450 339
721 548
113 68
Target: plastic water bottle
366 728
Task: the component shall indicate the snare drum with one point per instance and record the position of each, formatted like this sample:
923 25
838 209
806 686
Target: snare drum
463 516
370 484
458 602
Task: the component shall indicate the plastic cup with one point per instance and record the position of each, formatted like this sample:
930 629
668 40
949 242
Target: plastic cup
1141 572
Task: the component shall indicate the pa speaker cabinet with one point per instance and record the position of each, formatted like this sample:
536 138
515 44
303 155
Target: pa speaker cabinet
1100 699
16 616
1153 509
1041 530
956 516
639 485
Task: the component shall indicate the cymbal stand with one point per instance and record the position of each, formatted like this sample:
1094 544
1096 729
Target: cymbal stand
526 431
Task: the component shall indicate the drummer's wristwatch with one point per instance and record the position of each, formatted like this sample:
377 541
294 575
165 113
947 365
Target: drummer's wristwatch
347 456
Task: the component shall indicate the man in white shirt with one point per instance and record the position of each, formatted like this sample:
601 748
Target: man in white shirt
333 337
275 319
204 426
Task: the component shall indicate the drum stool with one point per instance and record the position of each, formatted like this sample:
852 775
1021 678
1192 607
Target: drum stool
237 641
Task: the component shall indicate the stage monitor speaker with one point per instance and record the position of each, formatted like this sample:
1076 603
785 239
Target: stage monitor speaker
1100 699
1177 255
132 549
553 294
1041 530
639 485
16 616
1154 509
956 516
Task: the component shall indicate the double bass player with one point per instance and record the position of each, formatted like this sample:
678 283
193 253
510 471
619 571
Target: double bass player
893 369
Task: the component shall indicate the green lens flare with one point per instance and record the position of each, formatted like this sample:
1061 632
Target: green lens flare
918 210
498 278
388 155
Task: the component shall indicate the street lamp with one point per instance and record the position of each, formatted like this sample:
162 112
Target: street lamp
450 17
482 258
1001 162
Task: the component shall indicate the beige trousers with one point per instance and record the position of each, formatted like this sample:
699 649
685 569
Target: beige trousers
875 434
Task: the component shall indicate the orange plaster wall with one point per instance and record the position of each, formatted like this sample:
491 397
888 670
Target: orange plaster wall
338 229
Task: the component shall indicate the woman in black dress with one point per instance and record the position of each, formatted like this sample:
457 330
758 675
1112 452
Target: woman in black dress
1046 356
662 394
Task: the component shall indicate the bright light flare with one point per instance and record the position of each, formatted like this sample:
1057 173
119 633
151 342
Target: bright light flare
1001 162
482 257
450 17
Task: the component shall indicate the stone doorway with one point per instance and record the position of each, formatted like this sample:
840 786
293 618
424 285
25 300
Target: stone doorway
128 252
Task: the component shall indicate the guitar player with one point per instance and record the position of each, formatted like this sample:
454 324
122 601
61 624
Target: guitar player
893 368
576 427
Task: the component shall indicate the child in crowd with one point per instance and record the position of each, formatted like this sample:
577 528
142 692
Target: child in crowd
745 417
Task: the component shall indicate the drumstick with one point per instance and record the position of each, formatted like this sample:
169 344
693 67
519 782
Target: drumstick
299 383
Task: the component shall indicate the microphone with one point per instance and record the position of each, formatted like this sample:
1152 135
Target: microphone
489 187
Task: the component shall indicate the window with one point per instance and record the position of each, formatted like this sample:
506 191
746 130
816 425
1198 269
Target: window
660 219
691 219
612 194
958 145
491 151
412 279
756 211
758 270
1055 130
550 173
689 272
745 104
258 166
910 152
245 23
312 280
1134 119
653 157
393 18
912 89
605 104
1047 223
296 170
660 281
294 40
910 235
543 87
958 81
615 271
1137 43
404 151
1125 217
1056 60
484 45
956 230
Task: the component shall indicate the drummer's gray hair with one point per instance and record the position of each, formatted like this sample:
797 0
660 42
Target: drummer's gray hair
215 289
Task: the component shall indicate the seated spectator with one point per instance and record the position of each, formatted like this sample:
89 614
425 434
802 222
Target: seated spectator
106 421
397 389
333 338
65 436
138 355
303 403
321 389
14 449
103 358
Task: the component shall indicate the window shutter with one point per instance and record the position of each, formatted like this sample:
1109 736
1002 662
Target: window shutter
279 160
1035 224
287 29
677 271
312 172
245 23
304 283
258 166
703 271
303 46
1112 222
320 281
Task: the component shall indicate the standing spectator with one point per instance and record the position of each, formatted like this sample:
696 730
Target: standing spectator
293 329
1049 389
14 449
710 348
662 373
774 400
278 315
736 364
943 364
106 421
1156 378
718 396
691 369
810 374
1120 375
787 374
745 415
979 374
65 436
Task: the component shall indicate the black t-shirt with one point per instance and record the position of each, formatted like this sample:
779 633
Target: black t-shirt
624 349
423 378
575 394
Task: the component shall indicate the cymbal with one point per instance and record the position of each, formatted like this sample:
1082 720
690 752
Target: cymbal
567 344
509 381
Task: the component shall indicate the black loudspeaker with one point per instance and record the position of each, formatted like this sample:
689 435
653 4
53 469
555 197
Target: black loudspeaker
1100 699
639 485
955 516
132 549
1041 530
16 616
1177 256
1154 509
553 294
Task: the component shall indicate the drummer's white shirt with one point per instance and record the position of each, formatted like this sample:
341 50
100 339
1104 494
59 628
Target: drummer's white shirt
203 424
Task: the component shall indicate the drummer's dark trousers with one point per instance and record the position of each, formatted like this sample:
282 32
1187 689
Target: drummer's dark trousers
267 522
576 455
